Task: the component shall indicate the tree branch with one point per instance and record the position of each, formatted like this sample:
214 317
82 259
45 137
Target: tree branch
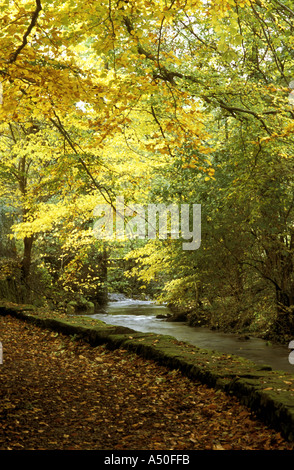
285 7
169 75
35 15
59 126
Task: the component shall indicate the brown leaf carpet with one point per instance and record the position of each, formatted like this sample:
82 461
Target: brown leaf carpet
58 393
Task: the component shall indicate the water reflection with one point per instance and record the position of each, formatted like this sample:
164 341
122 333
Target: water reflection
142 316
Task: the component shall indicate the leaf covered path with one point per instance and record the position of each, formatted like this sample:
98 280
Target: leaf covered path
58 393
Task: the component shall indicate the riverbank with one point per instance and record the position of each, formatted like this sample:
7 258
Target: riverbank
268 394
148 317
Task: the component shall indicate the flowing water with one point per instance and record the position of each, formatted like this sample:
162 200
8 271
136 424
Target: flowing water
142 316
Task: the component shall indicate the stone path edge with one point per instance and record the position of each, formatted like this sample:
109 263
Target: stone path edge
269 394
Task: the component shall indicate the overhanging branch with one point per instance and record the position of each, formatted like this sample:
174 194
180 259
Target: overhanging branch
35 15
58 124
167 75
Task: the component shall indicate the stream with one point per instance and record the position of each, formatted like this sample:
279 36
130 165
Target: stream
142 316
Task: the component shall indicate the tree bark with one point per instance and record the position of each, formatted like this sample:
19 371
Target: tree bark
26 266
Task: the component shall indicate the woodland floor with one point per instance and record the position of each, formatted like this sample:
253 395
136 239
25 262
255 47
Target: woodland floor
57 393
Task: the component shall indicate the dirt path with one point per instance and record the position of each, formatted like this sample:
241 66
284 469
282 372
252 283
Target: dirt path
57 393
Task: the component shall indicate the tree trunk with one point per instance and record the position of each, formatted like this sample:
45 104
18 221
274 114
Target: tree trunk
26 266
284 323
104 273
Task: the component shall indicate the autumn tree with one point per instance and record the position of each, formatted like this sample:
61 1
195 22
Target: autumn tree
162 101
248 210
